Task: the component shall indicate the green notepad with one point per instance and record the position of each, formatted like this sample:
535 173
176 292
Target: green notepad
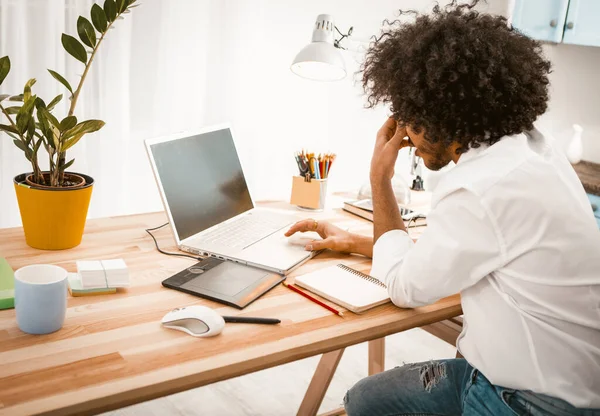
7 285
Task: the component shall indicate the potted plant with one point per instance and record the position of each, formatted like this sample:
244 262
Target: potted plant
53 203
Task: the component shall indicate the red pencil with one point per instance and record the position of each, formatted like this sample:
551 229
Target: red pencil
307 296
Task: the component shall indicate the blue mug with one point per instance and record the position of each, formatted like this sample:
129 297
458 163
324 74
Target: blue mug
40 298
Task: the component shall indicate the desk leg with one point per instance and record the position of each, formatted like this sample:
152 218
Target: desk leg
376 356
320 383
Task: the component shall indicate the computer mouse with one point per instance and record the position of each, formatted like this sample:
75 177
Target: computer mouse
196 320
302 239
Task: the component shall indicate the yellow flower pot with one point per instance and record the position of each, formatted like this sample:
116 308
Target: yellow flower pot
53 218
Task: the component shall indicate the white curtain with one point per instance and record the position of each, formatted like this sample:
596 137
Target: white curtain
175 65
148 79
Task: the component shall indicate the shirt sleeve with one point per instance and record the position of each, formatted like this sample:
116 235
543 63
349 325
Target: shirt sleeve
459 247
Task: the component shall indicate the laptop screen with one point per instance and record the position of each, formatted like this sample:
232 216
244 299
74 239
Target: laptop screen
202 180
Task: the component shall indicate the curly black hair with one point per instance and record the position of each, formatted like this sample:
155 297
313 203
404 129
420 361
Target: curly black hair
461 75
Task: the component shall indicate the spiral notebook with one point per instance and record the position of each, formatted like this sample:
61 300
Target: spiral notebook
354 290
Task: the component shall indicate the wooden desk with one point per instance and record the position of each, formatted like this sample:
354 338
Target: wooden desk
113 352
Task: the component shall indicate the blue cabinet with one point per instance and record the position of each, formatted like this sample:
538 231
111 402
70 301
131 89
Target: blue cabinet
595 201
582 26
541 19
568 21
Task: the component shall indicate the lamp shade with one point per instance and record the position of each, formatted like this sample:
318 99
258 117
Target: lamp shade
320 60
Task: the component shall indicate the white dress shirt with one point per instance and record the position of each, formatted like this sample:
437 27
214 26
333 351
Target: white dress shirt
512 230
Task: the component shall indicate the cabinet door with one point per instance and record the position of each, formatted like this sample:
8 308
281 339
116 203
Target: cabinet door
541 19
595 201
582 26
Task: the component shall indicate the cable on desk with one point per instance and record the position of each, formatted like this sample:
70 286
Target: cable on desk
164 252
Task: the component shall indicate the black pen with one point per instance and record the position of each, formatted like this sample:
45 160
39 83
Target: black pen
250 320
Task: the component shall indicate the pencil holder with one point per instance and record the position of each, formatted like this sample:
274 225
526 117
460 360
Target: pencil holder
308 193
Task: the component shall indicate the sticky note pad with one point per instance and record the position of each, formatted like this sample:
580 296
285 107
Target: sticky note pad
76 288
7 285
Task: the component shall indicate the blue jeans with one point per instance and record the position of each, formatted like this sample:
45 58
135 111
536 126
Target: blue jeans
447 387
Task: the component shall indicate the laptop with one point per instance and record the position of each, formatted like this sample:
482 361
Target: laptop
209 205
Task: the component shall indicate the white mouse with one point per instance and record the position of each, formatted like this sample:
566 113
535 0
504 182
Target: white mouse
302 239
196 320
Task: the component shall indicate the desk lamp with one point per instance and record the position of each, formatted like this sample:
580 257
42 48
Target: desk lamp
321 59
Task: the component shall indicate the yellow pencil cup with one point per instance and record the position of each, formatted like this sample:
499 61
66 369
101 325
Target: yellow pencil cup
308 193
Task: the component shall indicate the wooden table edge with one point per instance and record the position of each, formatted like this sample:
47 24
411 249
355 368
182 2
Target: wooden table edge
47 406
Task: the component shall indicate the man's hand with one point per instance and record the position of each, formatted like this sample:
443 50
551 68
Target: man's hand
334 238
390 139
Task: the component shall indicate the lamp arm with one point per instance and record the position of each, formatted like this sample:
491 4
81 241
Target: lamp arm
336 42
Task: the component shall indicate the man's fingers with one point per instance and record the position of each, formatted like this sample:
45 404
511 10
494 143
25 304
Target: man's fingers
319 244
397 141
388 129
304 226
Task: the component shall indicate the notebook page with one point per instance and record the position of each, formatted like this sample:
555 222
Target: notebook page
343 287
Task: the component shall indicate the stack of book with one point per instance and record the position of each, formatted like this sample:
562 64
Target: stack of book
364 209
99 274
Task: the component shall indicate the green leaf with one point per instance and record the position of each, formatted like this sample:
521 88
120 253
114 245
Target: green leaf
27 89
52 119
4 68
88 126
110 8
86 31
54 101
66 165
72 142
68 123
12 110
121 6
54 124
60 79
39 103
24 115
16 98
20 145
44 124
8 129
30 130
71 137
74 48
4 97
99 18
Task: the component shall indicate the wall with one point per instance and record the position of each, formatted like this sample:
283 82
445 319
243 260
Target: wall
275 112
574 96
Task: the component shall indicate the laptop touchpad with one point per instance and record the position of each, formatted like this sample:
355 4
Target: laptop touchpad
227 279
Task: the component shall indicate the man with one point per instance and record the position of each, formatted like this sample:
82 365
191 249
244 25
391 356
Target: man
510 229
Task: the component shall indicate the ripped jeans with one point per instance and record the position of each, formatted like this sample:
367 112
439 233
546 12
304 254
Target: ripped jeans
447 387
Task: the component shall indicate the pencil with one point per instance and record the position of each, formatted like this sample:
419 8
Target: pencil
307 296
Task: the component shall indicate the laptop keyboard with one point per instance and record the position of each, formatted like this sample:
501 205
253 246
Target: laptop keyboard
244 231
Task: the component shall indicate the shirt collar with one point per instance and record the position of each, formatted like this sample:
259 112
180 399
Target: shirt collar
472 153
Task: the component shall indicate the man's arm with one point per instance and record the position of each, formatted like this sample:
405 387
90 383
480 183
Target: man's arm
386 215
459 247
